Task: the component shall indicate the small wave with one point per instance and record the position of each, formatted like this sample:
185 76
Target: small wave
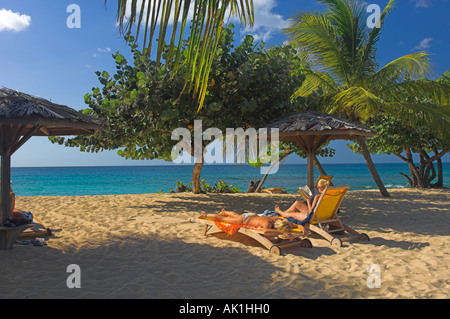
395 186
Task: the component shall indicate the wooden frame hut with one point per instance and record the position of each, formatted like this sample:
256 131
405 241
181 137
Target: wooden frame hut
310 130
21 117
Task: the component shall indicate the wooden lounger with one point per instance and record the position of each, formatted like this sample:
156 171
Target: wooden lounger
325 221
273 244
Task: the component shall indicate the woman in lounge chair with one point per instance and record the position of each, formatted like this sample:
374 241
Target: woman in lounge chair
299 212
269 225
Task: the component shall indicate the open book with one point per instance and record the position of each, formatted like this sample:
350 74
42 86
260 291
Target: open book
305 192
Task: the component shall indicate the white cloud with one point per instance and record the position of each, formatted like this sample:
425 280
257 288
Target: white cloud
105 50
172 11
100 51
13 21
424 44
422 3
266 22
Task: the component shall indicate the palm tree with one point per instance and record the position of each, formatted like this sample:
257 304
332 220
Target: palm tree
342 52
208 17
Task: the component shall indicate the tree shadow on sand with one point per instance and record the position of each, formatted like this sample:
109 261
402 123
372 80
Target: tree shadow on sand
422 213
213 203
151 267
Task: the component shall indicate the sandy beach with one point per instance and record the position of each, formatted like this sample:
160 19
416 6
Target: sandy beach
145 246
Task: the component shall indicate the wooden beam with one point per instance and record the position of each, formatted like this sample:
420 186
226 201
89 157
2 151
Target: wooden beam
24 138
300 142
51 123
310 170
320 140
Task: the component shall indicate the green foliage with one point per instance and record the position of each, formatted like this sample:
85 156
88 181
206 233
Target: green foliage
343 75
206 22
143 103
220 187
223 187
339 60
393 136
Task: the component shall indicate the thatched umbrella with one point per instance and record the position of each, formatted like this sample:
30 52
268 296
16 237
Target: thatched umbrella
21 117
310 130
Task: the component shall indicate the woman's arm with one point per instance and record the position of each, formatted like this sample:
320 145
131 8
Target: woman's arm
316 198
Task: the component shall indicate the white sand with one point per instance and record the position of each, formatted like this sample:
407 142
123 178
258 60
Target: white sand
144 246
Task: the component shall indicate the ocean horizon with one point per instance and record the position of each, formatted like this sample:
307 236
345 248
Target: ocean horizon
117 180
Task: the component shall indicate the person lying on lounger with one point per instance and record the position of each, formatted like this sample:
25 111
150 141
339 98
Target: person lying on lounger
269 225
299 212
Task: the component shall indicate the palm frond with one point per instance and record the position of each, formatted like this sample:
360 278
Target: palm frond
423 90
315 80
349 20
208 18
367 62
315 33
356 101
419 101
436 117
413 66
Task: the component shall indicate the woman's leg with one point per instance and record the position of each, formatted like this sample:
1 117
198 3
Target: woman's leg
236 220
228 213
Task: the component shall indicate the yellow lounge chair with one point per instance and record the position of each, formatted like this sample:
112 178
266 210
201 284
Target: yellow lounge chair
272 243
325 222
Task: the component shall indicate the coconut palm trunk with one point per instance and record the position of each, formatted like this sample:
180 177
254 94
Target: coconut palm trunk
376 177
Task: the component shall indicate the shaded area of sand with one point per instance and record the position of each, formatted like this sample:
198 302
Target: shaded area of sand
144 246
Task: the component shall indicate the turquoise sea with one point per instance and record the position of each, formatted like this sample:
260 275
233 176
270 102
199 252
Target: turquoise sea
74 181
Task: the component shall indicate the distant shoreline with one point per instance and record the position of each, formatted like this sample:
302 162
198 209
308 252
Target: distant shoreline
206 164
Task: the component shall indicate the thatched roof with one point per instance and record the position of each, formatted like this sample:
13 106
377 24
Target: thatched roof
18 108
319 124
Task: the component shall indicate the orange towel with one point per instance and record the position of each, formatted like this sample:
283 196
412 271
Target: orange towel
227 228
231 229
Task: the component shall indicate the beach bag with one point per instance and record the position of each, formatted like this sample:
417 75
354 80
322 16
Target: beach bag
20 221
27 219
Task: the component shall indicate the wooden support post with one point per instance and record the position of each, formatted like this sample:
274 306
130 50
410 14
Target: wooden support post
310 170
5 189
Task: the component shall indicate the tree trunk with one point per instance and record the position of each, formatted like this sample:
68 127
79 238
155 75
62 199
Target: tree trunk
440 181
413 179
320 168
415 173
252 186
372 169
411 183
196 187
258 189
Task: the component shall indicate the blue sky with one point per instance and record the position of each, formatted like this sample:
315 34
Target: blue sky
42 56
